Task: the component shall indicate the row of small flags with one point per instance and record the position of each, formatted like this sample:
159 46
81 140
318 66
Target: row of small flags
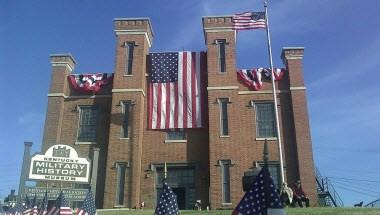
60 207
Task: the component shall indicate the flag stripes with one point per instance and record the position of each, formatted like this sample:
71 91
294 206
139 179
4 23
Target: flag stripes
176 90
249 20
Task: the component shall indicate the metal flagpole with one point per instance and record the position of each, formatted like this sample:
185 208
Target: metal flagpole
274 94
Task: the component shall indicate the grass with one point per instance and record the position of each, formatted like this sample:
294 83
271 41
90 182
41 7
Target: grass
289 211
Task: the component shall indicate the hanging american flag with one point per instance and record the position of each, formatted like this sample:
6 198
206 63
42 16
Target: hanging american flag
60 207
43 206
249 20
253 78
176 90
89 82
88 206
167 204
262 198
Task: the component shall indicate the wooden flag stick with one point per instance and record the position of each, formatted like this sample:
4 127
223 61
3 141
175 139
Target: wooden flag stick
165 171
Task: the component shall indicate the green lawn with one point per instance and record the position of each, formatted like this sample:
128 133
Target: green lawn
289 211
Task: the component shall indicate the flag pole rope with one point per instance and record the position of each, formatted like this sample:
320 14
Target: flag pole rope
274 93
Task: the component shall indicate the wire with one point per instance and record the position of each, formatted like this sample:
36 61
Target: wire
344 183
352 179
356 191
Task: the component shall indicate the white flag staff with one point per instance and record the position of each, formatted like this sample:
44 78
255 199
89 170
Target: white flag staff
274 94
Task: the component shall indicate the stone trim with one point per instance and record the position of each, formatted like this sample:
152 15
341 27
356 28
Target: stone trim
66 64
297 88
135 32
78 97
128 90
261 92
222 88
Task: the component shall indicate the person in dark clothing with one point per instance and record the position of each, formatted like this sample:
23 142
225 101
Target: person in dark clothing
299 195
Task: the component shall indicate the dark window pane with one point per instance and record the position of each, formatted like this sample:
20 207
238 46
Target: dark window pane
265 120
175 134
223 103
126 116
87 124
221 55
121 167
129 55
226 180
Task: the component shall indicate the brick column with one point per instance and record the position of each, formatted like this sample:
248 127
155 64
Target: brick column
128 87
62 66
292 58
222 85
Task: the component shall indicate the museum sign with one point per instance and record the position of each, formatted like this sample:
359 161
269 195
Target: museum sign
60 163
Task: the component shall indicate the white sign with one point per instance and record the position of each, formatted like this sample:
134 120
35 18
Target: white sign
60 163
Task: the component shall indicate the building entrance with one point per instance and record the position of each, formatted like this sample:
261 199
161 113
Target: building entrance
181 180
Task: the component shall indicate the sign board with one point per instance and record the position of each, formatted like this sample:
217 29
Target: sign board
60 163
53 193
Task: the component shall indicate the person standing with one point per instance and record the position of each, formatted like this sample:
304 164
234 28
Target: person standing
299 195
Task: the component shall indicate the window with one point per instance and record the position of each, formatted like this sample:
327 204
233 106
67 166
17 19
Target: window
223 102
221 43
87 124
175 134
126 117
225 168
274 171
129 46
265 125
120 183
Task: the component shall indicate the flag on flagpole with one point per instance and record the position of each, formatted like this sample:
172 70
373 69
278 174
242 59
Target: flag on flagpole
253 78
249 20
167 204
88 206
60 207
261 198
176 90
44 204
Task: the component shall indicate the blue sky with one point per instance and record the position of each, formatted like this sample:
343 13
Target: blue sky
342 49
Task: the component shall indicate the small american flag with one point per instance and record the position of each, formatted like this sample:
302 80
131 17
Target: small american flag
249 20
176 90
44 204
60 207
30 206
253 78
88 206
167 204
16 210
262 198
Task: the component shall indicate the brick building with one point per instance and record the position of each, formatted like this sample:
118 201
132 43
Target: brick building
110 127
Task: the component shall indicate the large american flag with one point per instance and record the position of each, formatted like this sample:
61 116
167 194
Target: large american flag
88 206
253 78
167 204
262 198
60 207
176 90
249 20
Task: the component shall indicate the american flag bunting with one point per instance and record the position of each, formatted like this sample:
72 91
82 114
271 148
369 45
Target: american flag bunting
253 78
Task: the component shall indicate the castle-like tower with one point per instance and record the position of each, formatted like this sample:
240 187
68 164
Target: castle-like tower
207 164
